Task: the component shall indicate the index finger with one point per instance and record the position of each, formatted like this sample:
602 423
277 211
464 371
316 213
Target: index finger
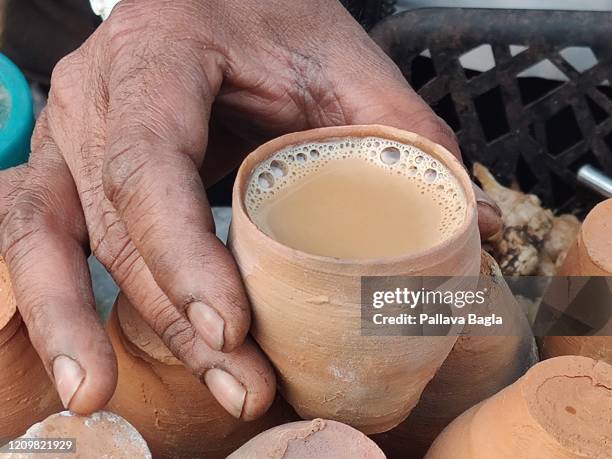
155 145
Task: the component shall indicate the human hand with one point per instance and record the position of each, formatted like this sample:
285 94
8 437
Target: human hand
164 98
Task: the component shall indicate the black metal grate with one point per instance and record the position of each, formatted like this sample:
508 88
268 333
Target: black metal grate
369 12
529 130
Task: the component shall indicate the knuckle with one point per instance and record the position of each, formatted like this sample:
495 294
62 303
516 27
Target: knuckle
62 70
106 232
21 223
174 330
64 78
11 188
41 138
124 264
314 93
116 251
437 128
134 15
132 18
41 209
124 15
124 168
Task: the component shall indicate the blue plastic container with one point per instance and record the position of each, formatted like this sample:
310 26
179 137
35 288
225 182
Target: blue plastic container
16 115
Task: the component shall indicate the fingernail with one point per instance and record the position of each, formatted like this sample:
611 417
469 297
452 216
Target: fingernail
68 376
208 324
483 199
491 205
490 226
227 390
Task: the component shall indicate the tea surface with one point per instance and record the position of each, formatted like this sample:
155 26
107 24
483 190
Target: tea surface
355 199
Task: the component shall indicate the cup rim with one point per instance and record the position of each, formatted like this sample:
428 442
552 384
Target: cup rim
270 148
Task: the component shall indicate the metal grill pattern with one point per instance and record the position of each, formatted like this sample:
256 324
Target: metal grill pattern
532 131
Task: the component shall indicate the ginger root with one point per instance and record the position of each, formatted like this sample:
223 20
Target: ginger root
534 241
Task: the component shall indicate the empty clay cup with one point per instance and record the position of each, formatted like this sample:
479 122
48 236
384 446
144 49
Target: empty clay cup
591 255
319 438
175 413
562 408
70 436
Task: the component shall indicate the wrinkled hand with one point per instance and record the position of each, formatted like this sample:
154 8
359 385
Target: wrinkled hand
165 97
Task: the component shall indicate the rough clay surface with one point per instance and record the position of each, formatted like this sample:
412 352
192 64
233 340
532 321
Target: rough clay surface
477 368
26 393
140 335
175 413
561 409
597 235
595 347
101 435
575 405
590 255
321 439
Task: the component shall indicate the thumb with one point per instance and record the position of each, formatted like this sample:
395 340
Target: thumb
411 113
385 97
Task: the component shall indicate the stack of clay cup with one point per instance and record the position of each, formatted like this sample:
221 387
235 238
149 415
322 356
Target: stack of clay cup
439 397
175 413
477 368
591 255
562 407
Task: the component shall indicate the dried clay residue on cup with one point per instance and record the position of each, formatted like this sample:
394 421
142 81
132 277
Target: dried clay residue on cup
574 407
309 439
103 434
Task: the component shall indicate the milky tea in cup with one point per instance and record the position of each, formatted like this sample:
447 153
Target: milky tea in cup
314 214
355 198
